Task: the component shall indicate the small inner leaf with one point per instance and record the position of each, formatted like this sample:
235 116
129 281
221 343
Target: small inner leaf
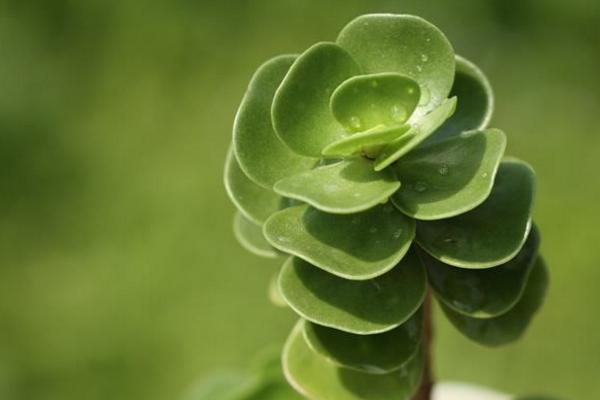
511 325
301 114
490 234
346 187
367 101
483 293
254 201
316 378
420 130
250 236
375 354
368 143
358 246
450 177
361 307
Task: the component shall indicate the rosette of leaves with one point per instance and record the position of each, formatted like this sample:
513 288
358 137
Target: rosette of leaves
369 165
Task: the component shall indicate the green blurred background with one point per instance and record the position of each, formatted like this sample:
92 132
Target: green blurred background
119 274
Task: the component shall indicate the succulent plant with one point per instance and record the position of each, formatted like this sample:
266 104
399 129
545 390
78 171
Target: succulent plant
368 163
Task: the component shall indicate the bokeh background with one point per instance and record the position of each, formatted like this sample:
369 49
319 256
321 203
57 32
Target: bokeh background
119 275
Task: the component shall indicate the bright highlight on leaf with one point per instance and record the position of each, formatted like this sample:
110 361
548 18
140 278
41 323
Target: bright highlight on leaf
368 143
361 307
358 246
367 101
346 187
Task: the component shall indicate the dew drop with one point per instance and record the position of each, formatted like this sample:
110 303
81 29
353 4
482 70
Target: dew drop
424 57
374 84
484 175
373 229
428 40
398 113
355 123
356 194
420 187
443 170
419 68
410 90
397 234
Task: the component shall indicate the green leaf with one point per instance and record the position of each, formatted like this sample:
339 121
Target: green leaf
475 102
420 130
358 246
301 114
407 45
376 354
251 237
368 143
346 187
367 101
254 201
450 177
509 326
490 234
274 294
361 307
318 379
260 153
483 293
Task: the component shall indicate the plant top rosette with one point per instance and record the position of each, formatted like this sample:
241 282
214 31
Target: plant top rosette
369 163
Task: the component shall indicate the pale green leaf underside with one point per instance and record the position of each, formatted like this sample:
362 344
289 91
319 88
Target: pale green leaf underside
475 101
360 307
450 177
420 130
318 379
260 153
346 187
274 294
510 326
251 237
407 45
483 293
366 101
301 114
367 142
254 201
490 234
358 246
376 354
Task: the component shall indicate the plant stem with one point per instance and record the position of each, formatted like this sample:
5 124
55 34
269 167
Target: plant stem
424 391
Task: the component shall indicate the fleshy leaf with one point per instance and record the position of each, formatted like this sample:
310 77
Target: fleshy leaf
274 293
367 101
301 114
360 307
358 246
251 237
490 234
483 293
260 153
450 177
318 379
376 354
346 187
420 130
369 142
407 45
475 102
254 201
509 326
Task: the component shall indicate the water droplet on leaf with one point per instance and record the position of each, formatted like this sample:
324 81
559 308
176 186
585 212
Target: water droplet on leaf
398 113
355 123
420 187
443 170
